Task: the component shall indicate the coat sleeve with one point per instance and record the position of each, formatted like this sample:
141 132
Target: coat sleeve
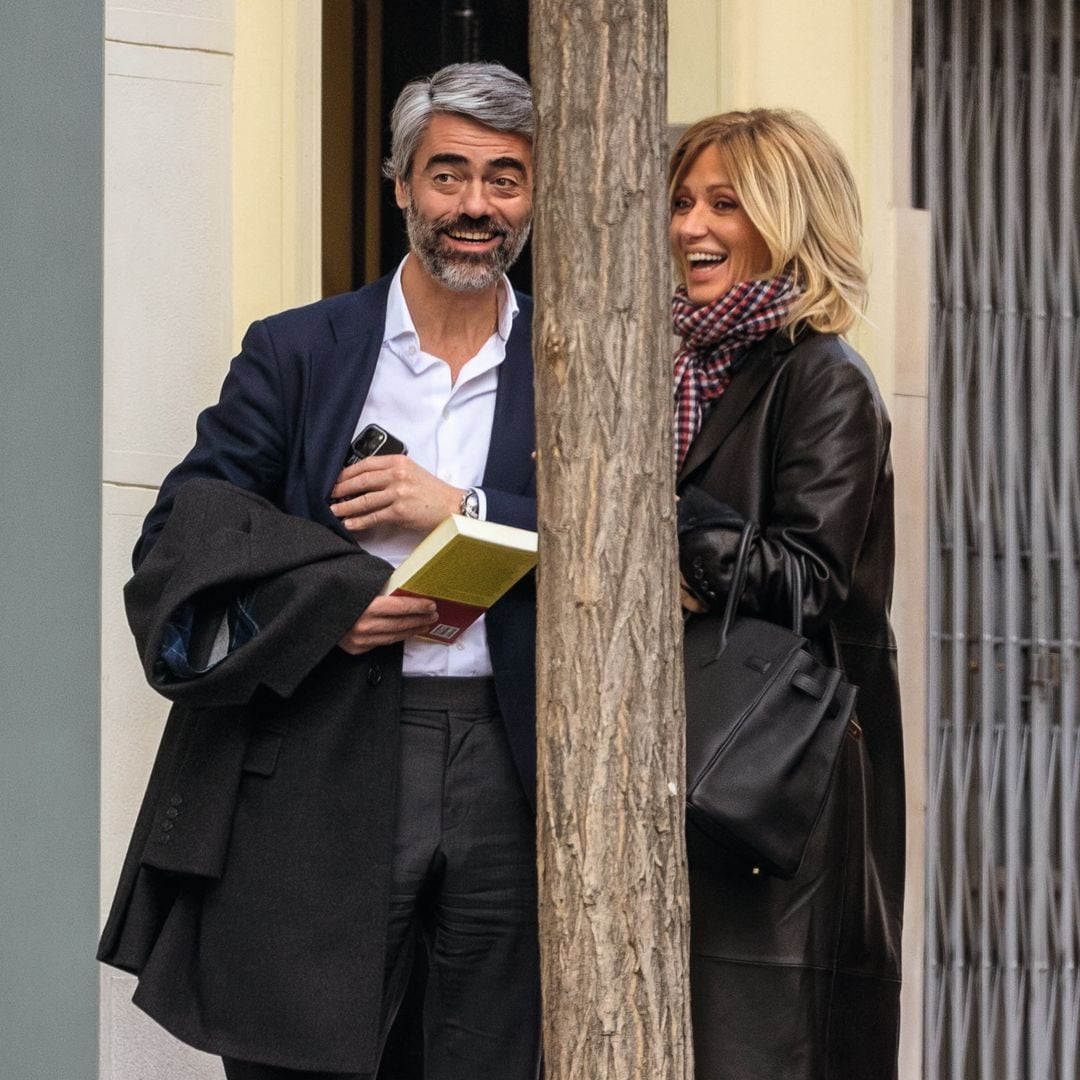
830 447
237 595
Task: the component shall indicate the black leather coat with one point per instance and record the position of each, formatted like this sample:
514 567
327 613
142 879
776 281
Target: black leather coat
800 979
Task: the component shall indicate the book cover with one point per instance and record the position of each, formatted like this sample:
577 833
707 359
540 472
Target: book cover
464 565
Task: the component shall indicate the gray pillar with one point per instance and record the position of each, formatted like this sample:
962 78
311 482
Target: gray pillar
50 534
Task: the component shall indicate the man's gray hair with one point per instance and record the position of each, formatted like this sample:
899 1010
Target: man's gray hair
490 94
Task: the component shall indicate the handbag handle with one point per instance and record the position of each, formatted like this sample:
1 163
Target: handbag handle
738 586
738 583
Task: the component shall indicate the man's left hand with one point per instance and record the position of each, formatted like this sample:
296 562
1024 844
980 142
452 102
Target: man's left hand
393 490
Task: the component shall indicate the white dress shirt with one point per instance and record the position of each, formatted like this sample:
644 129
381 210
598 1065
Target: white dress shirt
447 430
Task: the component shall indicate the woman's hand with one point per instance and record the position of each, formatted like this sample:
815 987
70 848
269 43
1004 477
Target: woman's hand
688 600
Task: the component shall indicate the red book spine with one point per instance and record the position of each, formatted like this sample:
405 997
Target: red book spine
453 617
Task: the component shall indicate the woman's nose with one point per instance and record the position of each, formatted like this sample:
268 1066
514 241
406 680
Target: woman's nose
691 223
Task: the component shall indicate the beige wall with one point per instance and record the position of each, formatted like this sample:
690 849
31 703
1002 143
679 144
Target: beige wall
276 142
847 63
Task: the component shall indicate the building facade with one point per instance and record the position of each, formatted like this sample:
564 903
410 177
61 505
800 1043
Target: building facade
238 145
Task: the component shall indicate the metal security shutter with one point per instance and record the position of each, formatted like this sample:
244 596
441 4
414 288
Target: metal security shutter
997 111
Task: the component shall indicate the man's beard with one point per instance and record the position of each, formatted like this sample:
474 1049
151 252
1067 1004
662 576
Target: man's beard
463 271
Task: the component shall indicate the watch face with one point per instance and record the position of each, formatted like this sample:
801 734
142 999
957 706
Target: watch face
470 504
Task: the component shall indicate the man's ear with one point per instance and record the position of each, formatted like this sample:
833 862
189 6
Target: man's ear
401 193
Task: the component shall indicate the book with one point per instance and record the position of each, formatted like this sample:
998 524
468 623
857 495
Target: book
464 565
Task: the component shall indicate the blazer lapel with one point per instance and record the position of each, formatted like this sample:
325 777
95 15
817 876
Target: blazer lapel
339 385
754 373
513 430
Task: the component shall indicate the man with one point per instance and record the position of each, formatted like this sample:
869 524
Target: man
312 807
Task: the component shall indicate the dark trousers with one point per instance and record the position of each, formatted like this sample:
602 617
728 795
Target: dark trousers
464 883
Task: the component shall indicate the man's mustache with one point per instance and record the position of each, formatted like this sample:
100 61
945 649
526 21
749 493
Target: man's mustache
464 223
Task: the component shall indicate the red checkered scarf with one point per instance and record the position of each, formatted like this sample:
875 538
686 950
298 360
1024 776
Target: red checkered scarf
714 336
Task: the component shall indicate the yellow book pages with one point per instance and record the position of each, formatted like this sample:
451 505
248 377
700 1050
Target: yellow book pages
466 561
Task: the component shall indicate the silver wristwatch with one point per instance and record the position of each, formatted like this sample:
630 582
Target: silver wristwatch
470 504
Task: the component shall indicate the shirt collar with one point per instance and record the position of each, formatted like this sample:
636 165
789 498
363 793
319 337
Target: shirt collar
399 331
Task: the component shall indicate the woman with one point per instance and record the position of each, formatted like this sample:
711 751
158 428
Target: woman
779 421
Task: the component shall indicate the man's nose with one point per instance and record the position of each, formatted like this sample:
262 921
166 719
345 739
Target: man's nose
474 199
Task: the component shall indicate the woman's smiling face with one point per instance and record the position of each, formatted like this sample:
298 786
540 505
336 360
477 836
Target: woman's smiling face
713 240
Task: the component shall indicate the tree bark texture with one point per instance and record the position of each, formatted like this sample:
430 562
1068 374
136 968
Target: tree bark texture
613 907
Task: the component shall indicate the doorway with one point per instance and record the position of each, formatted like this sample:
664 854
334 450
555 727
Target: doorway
371 49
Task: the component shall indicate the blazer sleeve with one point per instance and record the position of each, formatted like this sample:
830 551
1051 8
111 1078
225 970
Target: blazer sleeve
243 439
830 449
507 508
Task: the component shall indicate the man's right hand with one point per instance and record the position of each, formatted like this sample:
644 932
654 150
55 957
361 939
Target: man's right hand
388 619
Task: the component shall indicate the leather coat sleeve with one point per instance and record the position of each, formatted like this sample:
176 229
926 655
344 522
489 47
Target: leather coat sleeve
830 440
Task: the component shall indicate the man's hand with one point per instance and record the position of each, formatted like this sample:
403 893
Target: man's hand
392 490
388 619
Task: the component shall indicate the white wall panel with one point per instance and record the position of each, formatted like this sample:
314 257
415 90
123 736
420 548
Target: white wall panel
167 312
167 251
133 1047
177 24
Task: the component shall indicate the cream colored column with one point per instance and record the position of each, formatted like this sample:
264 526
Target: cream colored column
277 159
847 63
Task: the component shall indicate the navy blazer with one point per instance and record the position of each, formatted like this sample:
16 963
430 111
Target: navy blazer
281 428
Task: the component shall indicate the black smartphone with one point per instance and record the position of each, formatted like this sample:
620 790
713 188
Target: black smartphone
371 441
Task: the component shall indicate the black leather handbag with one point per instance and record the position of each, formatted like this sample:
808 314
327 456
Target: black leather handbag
765 722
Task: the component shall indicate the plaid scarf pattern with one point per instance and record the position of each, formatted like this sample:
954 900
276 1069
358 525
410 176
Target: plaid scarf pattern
714 337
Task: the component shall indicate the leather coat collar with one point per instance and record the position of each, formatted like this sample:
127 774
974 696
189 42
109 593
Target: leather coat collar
755 371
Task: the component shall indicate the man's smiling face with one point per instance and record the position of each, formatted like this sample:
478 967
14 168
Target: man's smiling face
468 202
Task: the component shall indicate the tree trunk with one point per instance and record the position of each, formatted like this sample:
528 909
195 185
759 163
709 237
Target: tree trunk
613 906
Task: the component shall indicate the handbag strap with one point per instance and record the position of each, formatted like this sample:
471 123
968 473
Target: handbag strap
796 595
738 586
738 583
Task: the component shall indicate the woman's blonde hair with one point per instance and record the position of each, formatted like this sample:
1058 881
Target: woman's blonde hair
795 186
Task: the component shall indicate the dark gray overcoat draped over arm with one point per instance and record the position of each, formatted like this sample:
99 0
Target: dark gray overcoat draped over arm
256 882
